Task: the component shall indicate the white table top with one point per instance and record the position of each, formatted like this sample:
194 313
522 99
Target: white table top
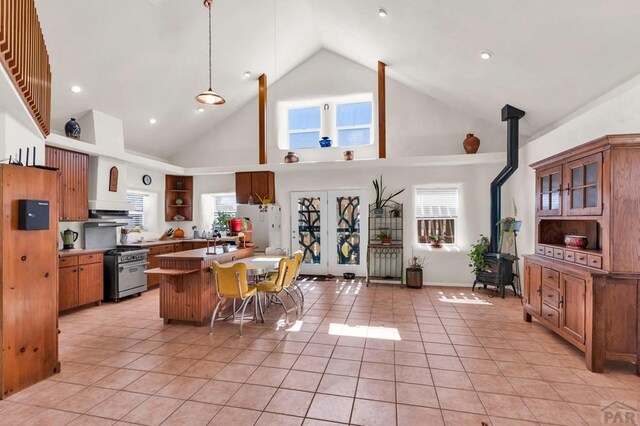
257 265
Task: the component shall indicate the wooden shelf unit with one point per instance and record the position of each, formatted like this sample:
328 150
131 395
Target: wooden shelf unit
590 296
178 187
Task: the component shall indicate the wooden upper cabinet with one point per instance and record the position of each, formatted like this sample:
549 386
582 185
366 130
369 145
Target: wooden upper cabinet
73 183
255 184
549 192
583 185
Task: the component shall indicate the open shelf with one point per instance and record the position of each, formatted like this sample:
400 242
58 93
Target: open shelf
179 205
178 188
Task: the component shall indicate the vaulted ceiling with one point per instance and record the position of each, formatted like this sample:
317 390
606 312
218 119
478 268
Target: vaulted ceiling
147 59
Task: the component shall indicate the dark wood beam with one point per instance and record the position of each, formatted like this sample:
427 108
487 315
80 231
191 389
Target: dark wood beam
382 111
262 118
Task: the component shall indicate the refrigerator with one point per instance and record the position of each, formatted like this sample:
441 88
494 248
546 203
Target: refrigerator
267 221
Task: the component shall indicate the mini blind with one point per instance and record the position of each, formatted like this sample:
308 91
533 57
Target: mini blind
436 203
136 216
224 203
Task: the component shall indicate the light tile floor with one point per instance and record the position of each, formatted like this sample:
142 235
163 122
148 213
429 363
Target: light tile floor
367 356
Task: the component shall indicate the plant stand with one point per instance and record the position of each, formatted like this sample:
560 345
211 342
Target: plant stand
385 260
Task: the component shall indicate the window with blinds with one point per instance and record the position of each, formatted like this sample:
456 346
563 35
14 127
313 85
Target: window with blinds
212 204
436 213
136 216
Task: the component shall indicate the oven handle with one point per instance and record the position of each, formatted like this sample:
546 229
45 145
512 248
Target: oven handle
132 265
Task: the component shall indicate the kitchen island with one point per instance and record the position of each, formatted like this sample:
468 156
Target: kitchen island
187 286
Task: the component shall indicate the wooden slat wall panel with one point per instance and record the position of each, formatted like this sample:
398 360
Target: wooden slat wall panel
73 186
24 56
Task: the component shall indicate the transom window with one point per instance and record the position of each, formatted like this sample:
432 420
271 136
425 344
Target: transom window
436 213
347 121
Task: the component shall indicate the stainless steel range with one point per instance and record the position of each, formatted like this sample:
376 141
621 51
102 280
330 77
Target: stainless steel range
124 273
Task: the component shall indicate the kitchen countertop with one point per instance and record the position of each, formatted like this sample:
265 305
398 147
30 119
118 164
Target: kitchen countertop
78 252
201 254
147 244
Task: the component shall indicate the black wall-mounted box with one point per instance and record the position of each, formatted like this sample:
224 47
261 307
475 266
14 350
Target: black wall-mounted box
33 215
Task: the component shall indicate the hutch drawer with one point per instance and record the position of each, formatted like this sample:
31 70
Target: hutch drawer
550 296
550 278
594 261
570 256
581 258
558 254
550 315
540 250
548 251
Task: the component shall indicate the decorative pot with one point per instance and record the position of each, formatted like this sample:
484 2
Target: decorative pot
436 245
180 185
414 277
576 241
377 212
72 129
385 241
348 155
471 144
235 225
291 157
179 201
325 142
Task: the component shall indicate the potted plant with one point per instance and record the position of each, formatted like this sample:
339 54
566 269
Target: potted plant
381 201
384 237
414 272
477 253
222 221
435 240
225 248
395 212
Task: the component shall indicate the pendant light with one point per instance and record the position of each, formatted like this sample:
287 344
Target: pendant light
209 97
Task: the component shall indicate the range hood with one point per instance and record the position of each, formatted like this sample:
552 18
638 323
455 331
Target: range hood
104 202
107 176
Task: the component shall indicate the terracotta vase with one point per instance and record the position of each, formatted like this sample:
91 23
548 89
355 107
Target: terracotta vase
348 155
471 144
291 157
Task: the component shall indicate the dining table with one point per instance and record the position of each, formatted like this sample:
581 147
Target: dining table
258 266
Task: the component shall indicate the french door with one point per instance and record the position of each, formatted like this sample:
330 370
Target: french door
330 228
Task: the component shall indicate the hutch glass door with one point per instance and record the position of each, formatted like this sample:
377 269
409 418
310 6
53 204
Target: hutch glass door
584 186
549 191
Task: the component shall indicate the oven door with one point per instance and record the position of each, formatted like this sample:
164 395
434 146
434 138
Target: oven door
131 275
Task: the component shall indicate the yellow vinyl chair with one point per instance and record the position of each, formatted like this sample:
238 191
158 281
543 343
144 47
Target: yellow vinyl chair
273 288
231 283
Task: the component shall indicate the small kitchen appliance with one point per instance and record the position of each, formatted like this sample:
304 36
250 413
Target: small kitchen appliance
69 237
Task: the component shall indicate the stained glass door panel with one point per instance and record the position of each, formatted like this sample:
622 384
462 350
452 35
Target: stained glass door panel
345 225
309 229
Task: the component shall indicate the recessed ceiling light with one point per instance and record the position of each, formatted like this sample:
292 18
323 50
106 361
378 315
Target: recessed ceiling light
486 54
382 12
246 74
76 89
153 121
199 110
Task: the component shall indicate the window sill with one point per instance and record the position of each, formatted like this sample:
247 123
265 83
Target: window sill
448 248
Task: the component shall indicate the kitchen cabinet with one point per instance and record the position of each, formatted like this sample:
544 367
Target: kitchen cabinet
73 186
588 295
81 280
254 184
178 197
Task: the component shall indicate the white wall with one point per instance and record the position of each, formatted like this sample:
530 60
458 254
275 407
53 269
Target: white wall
14 135
417 124
609 115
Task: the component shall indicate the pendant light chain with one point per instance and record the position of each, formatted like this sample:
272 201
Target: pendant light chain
210 67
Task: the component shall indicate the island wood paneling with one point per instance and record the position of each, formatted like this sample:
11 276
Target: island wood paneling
23 54
29 303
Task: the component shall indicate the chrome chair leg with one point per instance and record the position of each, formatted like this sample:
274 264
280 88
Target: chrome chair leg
234 309
213 317
286 313
245 302
260 307
295 304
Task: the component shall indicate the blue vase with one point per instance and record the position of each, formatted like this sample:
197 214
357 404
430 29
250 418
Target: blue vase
72 129
325 142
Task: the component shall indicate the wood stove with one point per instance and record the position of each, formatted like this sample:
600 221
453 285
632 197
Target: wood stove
498 272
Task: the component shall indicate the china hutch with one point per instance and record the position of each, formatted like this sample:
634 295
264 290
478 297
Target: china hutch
589 296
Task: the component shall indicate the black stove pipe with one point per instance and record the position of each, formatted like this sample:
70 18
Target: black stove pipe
511 115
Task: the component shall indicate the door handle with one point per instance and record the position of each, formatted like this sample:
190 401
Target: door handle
561 301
